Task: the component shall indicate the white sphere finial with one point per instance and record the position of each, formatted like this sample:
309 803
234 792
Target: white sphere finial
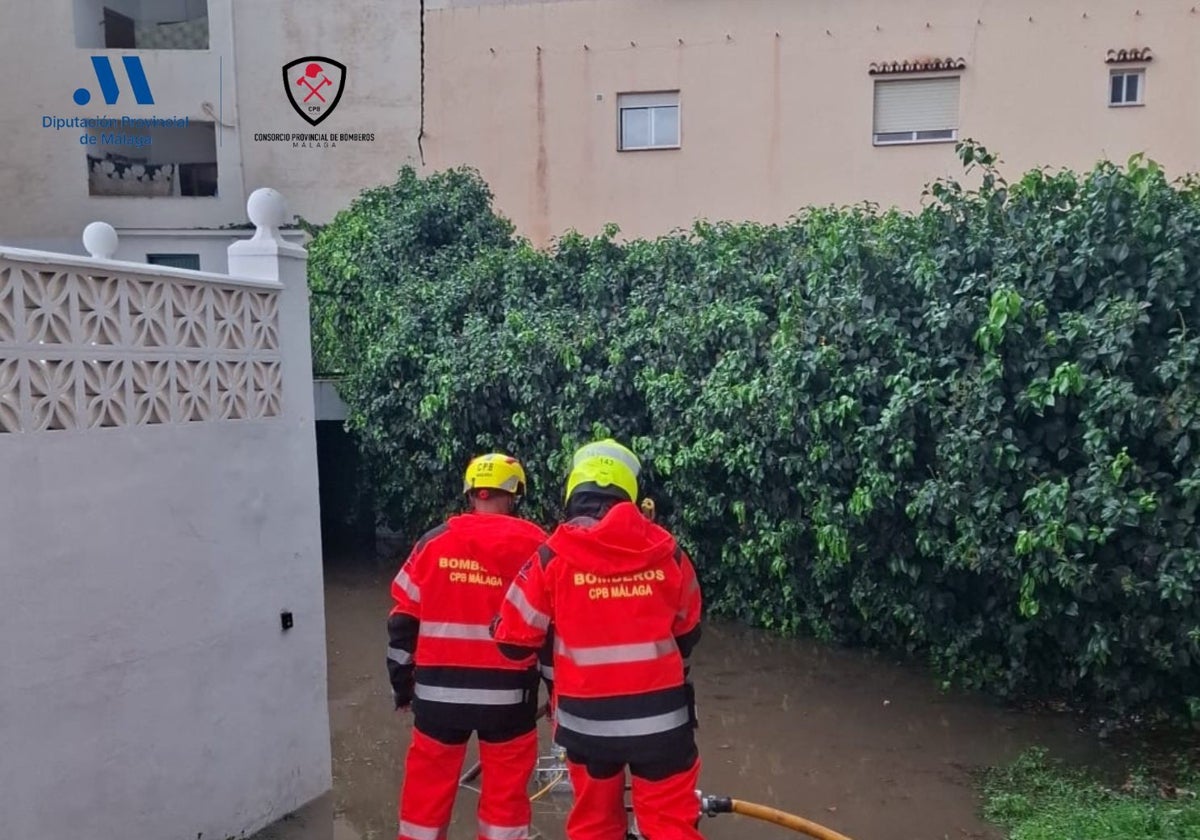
268 211
100 239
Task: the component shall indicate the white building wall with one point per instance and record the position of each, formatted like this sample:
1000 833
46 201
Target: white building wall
379 42
160 512
211 246
237 82
43 171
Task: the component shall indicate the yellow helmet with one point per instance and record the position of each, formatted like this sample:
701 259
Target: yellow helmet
495 471
605 467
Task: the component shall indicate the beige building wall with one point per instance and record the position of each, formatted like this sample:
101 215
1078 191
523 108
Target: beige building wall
776 99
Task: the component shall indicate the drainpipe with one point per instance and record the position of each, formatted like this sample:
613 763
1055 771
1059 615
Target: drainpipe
421 130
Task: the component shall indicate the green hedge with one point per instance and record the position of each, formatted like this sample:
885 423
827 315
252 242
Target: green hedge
967 433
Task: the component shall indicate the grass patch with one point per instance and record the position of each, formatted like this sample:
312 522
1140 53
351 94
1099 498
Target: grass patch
1035 799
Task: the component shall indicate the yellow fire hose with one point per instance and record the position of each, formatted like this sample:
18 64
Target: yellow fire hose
713 805
549 786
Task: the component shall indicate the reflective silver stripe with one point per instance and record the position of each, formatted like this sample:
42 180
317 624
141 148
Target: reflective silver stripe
616 654
628 728
605 450
410 589
418 832
547 671
471 696
501 832
401 657
452 630
533 616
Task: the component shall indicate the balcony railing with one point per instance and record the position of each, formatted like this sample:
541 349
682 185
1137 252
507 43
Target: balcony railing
113 176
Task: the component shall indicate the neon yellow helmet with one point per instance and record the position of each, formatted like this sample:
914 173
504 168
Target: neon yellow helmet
605 467
495 471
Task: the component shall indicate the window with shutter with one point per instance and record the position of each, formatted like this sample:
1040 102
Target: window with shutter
916 111
648 121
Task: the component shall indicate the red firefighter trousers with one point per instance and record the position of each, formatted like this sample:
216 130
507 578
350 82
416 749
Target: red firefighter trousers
433 768
665 806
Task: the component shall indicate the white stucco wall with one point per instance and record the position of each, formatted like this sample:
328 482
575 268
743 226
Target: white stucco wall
43 171
211 246
379 42
147 689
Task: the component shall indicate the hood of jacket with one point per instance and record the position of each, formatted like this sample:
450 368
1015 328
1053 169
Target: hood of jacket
500 542
624 541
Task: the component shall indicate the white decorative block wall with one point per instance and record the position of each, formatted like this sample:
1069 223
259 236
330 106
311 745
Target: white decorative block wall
87 350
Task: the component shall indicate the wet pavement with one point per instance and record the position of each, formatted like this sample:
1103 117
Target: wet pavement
848 739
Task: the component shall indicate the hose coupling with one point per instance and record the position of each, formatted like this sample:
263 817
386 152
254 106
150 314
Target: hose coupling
710 806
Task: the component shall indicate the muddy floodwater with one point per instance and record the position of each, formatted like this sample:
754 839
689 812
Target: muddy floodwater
848 739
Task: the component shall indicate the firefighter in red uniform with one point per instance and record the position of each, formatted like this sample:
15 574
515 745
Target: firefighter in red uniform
623 604
442 661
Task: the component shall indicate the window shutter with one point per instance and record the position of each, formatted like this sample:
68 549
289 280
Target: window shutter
648 100
916 105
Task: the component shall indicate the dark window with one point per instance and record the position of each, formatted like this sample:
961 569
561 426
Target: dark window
198 179
191 261
1125 88
118 30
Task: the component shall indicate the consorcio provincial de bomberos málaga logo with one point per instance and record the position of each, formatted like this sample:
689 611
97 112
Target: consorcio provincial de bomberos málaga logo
313 86
122 130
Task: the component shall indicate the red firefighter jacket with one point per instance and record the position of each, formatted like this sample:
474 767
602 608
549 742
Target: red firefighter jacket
624 605
440 655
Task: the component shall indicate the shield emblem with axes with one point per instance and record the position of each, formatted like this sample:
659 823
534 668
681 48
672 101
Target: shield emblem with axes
314 85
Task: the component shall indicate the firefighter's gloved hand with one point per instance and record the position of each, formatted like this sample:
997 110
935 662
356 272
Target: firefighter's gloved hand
402 693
